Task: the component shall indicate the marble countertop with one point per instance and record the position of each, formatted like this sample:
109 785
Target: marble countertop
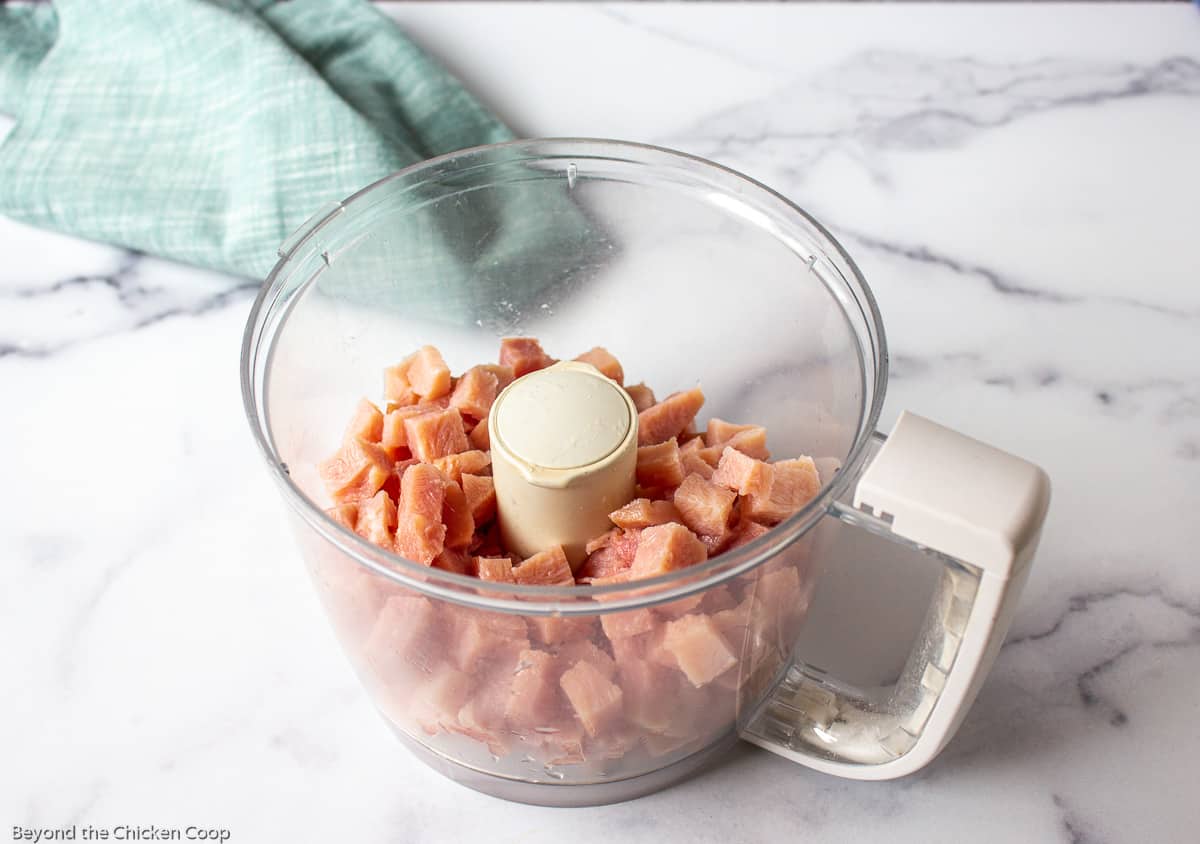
1018 184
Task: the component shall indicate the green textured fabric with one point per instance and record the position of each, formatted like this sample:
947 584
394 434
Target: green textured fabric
208 130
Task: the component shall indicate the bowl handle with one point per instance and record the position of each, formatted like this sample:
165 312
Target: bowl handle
979 512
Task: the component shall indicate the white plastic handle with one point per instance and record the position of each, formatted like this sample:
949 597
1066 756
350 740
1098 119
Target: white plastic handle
980 511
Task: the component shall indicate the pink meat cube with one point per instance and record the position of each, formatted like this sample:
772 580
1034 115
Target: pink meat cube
504 374
481 497
345 515
650 694
669 417
420 534
524 355
665 548
720 432
706 508
455 561
752 442
356 472
643 396
456 516
608 365
597 701
547 568
602 541
407 640
435 702
427 373
484 642
475 391
453 466
642 512
536 700
367 423
680 606
554 630
659 465
397 389
573 651
479 437
627 623
699 649
495 569
377 521
744 475
435 434
692 456
744 533
613 558
794 484
394 437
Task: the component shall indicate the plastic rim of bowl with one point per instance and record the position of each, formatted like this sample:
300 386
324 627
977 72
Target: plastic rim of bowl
561 600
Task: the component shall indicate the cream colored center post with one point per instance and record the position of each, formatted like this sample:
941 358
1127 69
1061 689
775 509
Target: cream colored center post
564 456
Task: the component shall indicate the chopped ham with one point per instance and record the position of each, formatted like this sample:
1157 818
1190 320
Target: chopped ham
643 396
584 650
495 569
394 437
669 417
699 649
535 701
484 641
377 520
479 436
345 515
680 606
650 694
642 512
504 374
356 472
456 516
611 559
397 389
455 561
752 443
595 698
665 548
454 466
427 373
718 432
742 474
706 508
692 456
627 623
547 568
421 535
435 434
367 423
659 465
392 485
481 497
555 630
524 355
794 484
745 533
603 360
475 391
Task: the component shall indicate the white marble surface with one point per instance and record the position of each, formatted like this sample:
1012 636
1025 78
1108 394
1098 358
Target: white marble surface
1019 185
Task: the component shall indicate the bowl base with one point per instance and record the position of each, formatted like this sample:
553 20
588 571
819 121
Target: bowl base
567 795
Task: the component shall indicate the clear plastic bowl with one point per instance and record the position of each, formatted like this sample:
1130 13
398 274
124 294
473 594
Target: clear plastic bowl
689 273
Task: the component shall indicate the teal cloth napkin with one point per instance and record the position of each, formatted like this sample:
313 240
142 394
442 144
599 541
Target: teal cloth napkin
208 130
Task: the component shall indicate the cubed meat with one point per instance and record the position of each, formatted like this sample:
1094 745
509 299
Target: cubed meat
794 483
547 568
742 474
718 432
504 374
455 561
752 442
665 548
572 651
706 508
643 396
669 417
345 515
597 701
745 532
524 355
367 423
495 569
435 434
407 640
692 456
427 373
536 699
627 623
474 393
456 516
394 436
603 360
356 472
420 534
699 649
481 497
659 465
483 642
642 512
650 694
396 387
555 630
479 437
613 558
377 520
454 466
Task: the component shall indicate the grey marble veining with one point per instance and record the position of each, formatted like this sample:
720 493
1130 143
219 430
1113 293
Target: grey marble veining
1017 183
